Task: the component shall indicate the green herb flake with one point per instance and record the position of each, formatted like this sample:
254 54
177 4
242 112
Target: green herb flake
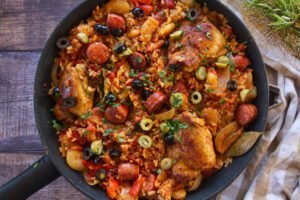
162 74
132 73
107 132
209 90
115 105
56 125
86 132
222 101
158 171
199 27
86 115
120 139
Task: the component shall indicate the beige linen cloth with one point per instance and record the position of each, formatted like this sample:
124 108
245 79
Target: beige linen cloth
274 172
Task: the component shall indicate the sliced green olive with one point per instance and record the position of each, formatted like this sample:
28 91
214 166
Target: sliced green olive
196 97
201 73
243 94
82 37
166 163
101 174
145 141
97 147
146 124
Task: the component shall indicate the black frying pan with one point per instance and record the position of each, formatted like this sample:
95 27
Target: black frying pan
52 165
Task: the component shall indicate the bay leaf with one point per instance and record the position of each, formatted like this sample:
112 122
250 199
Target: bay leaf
243 144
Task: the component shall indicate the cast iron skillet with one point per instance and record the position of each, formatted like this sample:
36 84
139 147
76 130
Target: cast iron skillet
52 165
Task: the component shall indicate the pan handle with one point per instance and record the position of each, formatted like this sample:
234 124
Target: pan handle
38 175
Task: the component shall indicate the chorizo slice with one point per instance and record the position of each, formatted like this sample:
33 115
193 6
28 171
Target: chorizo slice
98 52
155 101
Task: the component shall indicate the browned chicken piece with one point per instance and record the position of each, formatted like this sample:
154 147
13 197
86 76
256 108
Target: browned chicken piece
74 86
195 152
199 38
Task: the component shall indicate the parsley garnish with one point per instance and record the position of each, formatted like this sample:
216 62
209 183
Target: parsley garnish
120 139
222 101
56 125
132 73
115 105
162 73
86 132
107 132
86 115
199 27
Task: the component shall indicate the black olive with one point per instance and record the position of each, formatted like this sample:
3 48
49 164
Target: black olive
114 152
175 67
56 93
192 14
137 84
169 139
69 102
63 43
120 47
145 94
232 85
199 1
87 153
138 12
117 32
101 174
166 44
101 29
110 98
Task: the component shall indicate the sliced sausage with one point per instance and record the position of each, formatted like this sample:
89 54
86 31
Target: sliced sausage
245 113
98 52
168 4
155 101
241 62
116 22
128 171
116 115
137 60
180 87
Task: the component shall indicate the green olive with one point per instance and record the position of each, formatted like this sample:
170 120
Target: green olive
146 124
201 73
166 163
97 147
145 141
82 37
164 127
196 97
222 62
176 100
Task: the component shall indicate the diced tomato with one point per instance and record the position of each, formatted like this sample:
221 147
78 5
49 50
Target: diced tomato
180 87
148 2
112 188
149 183
137 186
147 9
135 2
91 128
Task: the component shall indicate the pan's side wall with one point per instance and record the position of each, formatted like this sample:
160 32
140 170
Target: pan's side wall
43 104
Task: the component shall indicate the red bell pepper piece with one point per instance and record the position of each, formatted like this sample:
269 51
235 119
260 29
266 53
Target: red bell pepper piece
112 188
137 186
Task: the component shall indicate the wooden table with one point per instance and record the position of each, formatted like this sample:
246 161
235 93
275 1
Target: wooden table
24 28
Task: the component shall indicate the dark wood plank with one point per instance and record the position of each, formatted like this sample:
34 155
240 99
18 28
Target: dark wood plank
16 88
26 25
13 164
22 144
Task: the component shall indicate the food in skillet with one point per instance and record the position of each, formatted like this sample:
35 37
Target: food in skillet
151 97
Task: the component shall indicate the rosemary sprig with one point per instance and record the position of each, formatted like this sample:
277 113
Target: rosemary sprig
284 14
